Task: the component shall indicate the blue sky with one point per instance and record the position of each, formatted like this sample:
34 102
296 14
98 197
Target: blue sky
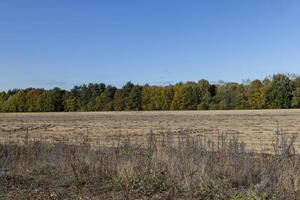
63 43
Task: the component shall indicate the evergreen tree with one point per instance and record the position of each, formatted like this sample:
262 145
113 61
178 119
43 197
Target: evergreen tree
104 102
124 99
134 100
52 100
118 101
279 93
86 95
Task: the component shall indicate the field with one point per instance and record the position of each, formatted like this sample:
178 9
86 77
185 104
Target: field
150 155
256 128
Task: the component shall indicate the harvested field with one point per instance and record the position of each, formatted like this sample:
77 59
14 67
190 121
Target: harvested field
256 128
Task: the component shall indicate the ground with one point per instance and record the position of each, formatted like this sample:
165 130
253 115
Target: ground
254 127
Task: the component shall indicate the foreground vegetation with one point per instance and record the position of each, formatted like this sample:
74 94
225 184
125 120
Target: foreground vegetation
191 168
279 91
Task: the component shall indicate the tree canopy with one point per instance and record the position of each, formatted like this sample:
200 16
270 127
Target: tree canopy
278 91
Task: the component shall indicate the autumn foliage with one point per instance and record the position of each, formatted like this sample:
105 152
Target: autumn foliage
278 91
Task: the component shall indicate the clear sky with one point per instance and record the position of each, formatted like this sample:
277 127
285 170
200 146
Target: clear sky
62 43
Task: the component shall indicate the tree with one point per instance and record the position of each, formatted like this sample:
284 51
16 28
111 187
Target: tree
177 103
231 96
256 95
205 96
158 98
296 93
168 97
185 97
121 97
2 99
86 95
11 92
52 100
118 102
104 102
147 98
16 102
279 92
295 103
134 101
70 102
33 98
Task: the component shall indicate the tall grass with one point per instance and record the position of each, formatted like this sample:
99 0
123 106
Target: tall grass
190 168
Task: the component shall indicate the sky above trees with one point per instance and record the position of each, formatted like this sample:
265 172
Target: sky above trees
64 43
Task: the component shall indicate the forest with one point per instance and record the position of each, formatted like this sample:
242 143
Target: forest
279 91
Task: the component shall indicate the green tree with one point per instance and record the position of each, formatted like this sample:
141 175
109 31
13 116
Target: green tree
2 100
86 95
204 95
177 102
52 100
118 102
231 96
158 98
11 92
134 100
296 93
104 102
70 102
279 92
121 97
16 102
168 97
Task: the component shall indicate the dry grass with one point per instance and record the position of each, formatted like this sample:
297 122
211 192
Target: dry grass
254 127
186 155
159 169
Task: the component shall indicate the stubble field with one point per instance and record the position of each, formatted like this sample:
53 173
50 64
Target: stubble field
150 155
256 128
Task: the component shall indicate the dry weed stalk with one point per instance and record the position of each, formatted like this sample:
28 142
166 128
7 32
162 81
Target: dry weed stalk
193 168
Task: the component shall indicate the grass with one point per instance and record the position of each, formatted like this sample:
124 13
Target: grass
190 168
255 127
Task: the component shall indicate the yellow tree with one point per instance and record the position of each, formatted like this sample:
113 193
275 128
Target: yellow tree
256 95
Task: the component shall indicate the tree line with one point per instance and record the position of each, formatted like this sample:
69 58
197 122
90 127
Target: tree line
278 91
